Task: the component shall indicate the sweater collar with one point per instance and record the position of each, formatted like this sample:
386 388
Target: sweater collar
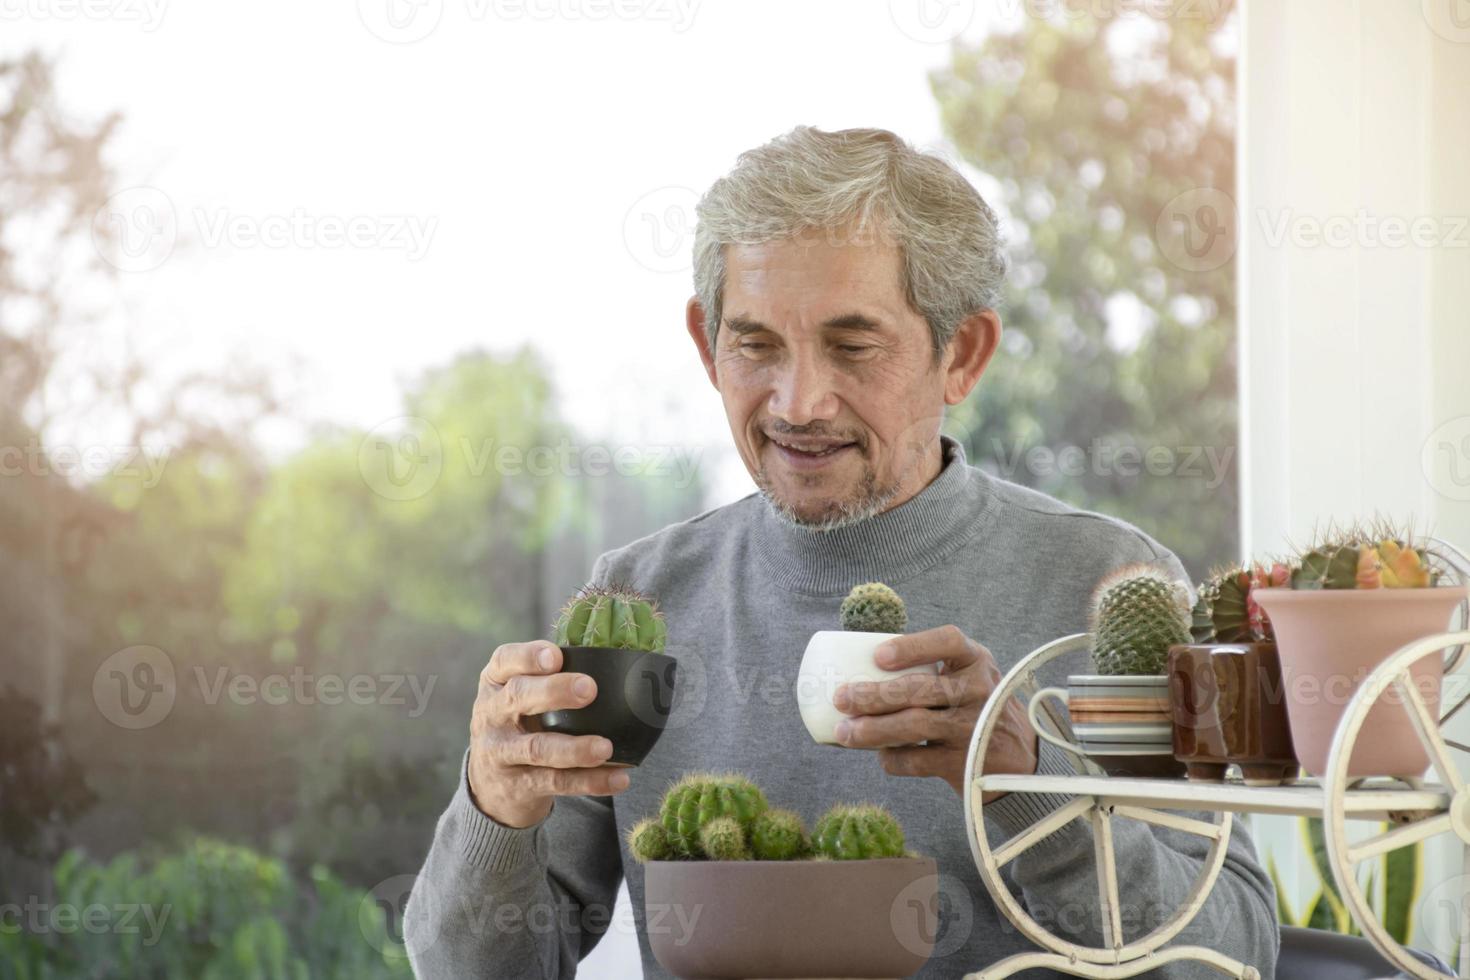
889 547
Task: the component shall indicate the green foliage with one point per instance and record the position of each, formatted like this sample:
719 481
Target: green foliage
699 798
212 910
873 608
1391 885
1138 612
849 832
616 618
778 835
1087 143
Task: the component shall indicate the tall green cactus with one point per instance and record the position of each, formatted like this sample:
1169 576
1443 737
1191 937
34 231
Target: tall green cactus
850 832
1138 612
874 608
615 617
700 798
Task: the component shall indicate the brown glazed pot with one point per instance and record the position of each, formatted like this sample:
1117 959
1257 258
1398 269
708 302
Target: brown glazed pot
1229 707
714 920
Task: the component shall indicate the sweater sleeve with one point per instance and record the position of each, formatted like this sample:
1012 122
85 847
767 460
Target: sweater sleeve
1156 869
508 902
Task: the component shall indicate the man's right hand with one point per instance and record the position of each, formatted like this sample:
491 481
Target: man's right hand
515 770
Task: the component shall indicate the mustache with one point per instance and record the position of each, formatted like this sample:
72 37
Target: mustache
816 430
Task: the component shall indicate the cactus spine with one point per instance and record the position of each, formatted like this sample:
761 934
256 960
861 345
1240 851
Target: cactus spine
778 835
723 839
1227 611
617 618
697 799
873 608
1377 558
648 841
1138 613
850 832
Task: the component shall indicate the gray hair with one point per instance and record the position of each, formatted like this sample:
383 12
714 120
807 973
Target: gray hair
874 183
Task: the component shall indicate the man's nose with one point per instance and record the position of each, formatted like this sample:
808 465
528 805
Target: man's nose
804 392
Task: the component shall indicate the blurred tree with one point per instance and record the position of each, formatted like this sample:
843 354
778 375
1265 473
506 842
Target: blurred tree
1092 126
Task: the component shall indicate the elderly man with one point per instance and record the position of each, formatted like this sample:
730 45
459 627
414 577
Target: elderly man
845 287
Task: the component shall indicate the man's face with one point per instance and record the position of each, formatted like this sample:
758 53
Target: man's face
828 377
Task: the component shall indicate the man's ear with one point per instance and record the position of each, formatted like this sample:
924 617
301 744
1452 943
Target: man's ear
968 354
694 323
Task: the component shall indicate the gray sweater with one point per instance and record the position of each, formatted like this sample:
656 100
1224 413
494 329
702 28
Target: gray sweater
743 592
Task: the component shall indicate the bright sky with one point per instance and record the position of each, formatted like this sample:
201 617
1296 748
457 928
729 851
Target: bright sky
523 172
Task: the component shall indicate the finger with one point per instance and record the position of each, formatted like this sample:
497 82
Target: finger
513 659
909 726
545 781
524 695
946 645
909 691
554 750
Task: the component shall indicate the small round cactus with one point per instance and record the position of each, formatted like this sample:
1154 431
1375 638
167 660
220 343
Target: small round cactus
778 835
723 839
648 841
852 832
616 618
1138 613
873 608
700 798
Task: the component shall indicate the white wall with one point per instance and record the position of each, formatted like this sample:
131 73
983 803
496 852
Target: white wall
1355 359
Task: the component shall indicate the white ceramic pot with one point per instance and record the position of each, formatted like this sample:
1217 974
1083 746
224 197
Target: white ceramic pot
834 658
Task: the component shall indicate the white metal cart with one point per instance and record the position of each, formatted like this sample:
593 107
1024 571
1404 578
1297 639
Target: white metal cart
1418 810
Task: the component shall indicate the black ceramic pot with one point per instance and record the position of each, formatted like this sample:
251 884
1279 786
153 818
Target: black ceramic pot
635 692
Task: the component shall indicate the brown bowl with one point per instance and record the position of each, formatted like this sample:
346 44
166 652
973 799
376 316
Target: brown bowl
735 919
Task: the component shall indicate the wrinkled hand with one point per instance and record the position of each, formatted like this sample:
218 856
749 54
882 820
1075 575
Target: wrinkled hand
894 715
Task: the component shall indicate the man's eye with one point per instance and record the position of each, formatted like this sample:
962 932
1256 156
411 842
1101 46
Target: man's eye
854 348
754 346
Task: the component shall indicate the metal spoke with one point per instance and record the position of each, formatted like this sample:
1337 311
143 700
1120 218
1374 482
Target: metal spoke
1200 828
1429 732
1107 877
1456 745
1451 713
1029 837
1392 840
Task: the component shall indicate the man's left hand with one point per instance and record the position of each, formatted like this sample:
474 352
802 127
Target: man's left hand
895 715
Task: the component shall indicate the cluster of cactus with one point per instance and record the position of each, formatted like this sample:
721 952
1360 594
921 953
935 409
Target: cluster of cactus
727 818
873 608
1227 612
1364 561
1138 612
613 617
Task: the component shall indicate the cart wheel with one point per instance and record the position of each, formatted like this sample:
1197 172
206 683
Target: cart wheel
1453 819
1453 564
1120 955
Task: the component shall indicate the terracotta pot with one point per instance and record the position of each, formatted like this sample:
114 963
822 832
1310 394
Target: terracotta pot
777 919
635 692
1228 706
1329 640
